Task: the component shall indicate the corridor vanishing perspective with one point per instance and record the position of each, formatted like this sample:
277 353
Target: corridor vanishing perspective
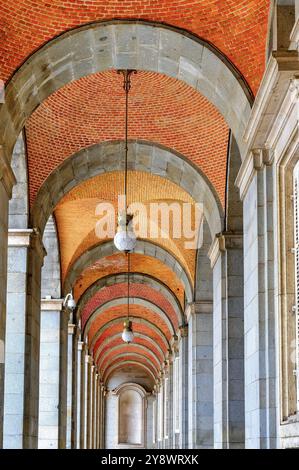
149 231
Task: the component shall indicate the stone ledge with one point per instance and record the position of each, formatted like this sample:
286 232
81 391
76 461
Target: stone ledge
19 237
52 304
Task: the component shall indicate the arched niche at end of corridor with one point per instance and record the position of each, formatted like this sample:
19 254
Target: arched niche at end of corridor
131 415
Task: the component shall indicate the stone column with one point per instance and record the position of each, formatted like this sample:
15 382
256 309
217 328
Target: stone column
93 407
183 391
50 385
89 401
18 244
103 421
71 365
80 346
7 180
170 404
75 397
23 339
226 255
200 376
97 413
260 320
83 396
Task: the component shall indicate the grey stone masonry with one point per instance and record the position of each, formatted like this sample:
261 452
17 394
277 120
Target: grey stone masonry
78 371
36 253
18 245
71 363
51 408
226 255
183 389
7 180
259 312
200 375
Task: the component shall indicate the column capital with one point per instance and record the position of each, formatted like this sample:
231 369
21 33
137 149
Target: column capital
71 329
36 244
174 344
200 306
49 304
88 359
183 331
222 242
254 161
19 237
7 177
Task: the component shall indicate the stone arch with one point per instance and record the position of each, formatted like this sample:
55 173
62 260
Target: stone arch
110 339
144 351
130 385
131 45
108 248
133 301
129 356
104 157
233 205
151 325
18 206
51 279
138 278
114 366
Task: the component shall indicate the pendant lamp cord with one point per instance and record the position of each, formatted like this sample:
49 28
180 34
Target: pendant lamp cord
128 254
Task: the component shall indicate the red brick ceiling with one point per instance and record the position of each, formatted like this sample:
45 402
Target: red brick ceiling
161 109
130 358
121 311
117 263
137 328
137 341
237 27
121 290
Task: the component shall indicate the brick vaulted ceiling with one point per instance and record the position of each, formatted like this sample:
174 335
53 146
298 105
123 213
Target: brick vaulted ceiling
161 109
164 111
81 203
237 27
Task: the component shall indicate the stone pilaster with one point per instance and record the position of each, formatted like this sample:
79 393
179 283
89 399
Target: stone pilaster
200 374
226 255
36 256
51 410
256 180
71 387
18 245
83 396
183 390
26 254
88 401
80 348
7 180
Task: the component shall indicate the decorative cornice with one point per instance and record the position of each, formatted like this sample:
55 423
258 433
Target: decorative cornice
71 329
198 307
19 237
222 242
280 61
218 246
7 176
54 305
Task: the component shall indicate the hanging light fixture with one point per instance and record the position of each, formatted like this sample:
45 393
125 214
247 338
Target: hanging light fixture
127 334
125 238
